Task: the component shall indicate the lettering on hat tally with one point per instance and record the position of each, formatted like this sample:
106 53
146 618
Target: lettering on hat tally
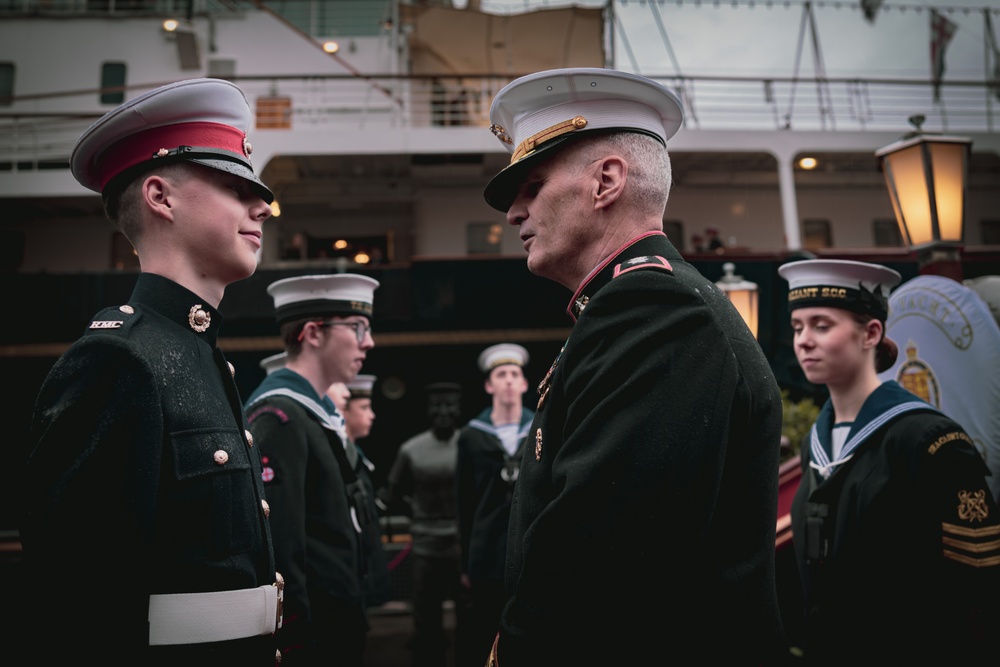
820 292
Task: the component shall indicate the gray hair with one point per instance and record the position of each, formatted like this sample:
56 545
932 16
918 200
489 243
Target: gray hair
648 168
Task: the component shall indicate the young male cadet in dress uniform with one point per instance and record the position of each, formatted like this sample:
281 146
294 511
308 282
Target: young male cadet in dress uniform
145 530
896 532
323 529
489 456
643 519
358 419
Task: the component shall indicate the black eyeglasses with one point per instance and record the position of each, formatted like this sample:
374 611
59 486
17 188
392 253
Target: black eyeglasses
361 329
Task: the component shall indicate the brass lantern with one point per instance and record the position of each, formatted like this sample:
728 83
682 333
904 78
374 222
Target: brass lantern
743 294
926 175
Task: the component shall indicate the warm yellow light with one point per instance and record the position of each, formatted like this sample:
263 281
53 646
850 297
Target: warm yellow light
340 244
362 258
743 294
926 178
808 163
275 209
170 25
331 47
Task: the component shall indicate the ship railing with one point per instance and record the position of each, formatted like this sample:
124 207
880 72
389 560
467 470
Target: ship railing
31 136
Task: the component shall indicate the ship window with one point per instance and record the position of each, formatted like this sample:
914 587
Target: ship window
6 84
989 232
482 238
112 83
816 234
885 231
674 229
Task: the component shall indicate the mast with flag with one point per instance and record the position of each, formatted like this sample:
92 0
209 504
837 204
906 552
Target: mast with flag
994 52
942 30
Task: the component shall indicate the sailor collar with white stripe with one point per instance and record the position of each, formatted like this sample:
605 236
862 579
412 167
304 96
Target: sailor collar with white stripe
881 407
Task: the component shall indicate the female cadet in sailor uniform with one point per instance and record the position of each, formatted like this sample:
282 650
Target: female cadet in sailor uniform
896 534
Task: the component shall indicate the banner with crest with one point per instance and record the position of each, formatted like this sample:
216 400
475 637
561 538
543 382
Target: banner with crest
949 355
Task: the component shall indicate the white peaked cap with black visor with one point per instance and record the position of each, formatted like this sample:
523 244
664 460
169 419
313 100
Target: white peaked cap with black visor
501 354
859 287
202 121
324 295
537 112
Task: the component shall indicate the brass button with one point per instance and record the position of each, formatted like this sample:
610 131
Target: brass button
128 310
221 457
232 369
249 437
267 508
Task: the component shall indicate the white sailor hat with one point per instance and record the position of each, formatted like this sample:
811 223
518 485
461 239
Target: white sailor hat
361 386
504 353
274 362
539 111
204 121
859 287
322 295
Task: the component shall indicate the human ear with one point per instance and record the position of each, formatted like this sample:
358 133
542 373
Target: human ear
611 180
155 193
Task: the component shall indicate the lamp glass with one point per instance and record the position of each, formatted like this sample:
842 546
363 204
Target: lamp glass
904 175
912 167
948 162
742 293
745 301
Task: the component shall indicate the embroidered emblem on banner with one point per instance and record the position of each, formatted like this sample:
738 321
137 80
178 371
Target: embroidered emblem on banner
972 506
645 262
918 378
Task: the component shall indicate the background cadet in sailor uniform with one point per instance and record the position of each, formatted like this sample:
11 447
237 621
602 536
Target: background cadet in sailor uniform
489 457
143 480
896 533
358 419
643 520
323 530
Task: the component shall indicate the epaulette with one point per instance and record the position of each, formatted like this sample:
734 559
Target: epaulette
644 262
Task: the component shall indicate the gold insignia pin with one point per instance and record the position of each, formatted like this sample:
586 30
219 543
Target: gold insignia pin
198 318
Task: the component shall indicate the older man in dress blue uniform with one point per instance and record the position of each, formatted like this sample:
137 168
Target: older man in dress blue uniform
643 519
145 528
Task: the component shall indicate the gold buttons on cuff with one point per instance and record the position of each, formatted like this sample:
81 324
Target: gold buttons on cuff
220 457
267 508
249 437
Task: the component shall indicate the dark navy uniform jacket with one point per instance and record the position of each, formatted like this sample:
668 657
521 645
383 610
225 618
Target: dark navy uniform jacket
140 480
643 520
899 545
321 517
484 487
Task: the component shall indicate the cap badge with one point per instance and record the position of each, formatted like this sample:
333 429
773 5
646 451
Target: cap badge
549 133
247 146
163 152
501 134
198 318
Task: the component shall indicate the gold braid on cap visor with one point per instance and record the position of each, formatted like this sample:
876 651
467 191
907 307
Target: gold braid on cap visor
549 133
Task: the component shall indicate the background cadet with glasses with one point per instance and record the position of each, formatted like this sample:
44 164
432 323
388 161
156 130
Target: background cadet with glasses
324 526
